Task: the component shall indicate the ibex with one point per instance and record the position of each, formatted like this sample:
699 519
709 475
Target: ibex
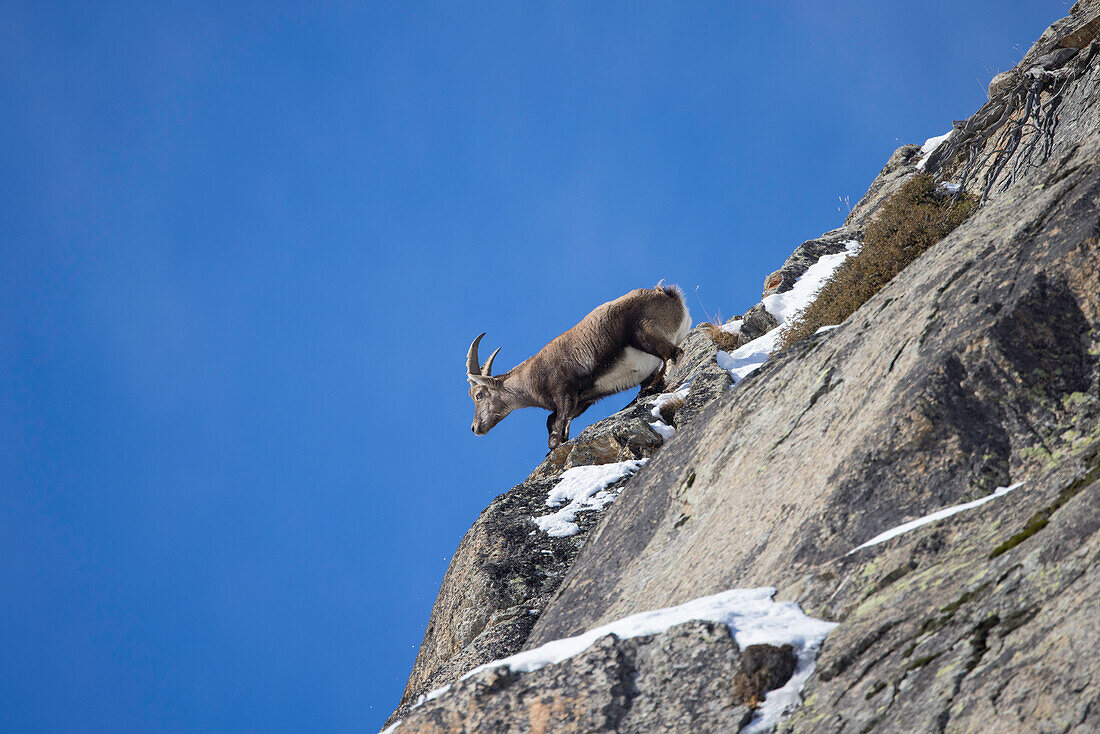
619 345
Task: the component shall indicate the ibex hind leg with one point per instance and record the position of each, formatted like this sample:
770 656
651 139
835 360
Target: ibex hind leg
658 344
655 383
655 342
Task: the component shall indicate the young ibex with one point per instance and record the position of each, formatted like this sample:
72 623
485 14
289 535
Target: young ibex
620 345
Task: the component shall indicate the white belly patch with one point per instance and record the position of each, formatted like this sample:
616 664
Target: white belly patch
628 371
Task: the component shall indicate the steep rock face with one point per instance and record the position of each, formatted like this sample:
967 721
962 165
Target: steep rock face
978 367
502 575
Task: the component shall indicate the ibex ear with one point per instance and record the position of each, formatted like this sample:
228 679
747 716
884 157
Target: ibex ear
482 380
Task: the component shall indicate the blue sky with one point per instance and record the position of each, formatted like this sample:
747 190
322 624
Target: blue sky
246 246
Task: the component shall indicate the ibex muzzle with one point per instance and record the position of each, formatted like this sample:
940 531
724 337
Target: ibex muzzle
619 345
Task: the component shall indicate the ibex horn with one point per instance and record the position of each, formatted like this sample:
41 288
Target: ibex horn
471 357
487 368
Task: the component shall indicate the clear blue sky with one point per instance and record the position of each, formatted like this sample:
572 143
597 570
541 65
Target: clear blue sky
246 245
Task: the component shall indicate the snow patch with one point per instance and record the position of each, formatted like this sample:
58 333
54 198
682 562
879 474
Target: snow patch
785 305
935 516
745 360
584 488
664 430
733 327
752 616
748 358
930 146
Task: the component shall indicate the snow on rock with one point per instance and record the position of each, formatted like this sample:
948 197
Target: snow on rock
935 516
930 146
749 357
743 361
752 616
785 305
664 430
733 327
584 488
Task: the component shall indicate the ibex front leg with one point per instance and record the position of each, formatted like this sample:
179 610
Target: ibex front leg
558 422
551 421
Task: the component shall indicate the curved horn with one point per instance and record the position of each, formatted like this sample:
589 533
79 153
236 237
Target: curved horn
471 357
487 368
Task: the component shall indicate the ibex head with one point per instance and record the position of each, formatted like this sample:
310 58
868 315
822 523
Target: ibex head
491 405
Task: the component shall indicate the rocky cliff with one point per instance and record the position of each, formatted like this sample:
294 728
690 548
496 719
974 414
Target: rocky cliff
960 407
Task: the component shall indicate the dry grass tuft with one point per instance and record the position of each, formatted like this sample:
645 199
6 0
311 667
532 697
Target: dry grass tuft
722 338
912 220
